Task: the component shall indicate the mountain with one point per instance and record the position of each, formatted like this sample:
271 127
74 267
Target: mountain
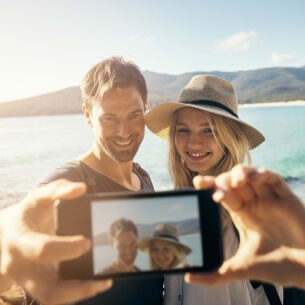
253 86
184 227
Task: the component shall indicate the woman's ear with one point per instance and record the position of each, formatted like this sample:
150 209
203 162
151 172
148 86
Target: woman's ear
87 114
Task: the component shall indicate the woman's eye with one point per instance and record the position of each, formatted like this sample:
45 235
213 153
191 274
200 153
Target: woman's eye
182 130
207 131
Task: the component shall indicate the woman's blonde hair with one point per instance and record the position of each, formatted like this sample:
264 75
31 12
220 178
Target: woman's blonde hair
177 251
228 135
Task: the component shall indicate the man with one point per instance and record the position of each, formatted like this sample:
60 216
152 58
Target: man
123 238
114 101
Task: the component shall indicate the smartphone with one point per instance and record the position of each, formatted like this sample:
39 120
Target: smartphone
137 233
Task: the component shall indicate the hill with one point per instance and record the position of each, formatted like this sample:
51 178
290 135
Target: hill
253 86
185 227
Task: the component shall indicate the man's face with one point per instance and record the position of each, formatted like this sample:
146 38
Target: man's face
118 123
125 248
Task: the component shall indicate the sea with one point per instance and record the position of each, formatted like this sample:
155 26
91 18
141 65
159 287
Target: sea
32 146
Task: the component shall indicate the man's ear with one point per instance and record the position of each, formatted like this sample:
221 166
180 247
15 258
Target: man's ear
87 114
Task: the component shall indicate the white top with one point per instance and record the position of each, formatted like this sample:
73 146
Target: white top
178 292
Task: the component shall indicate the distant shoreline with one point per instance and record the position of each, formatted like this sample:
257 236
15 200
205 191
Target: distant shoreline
274 104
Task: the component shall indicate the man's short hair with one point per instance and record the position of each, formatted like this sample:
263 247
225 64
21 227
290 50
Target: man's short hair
111 73
122 225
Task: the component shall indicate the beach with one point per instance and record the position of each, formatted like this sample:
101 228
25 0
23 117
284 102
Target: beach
275 104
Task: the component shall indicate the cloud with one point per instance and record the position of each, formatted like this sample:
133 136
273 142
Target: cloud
176 208
281 58
238 42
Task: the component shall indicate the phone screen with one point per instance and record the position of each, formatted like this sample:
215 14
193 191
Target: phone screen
146 234
141 233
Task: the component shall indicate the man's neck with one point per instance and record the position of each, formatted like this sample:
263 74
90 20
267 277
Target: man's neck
124 268
120 172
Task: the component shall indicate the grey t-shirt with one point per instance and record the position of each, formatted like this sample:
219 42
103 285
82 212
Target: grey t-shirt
78 171
125 291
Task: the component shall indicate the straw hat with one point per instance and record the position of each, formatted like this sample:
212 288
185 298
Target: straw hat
203 92
163 232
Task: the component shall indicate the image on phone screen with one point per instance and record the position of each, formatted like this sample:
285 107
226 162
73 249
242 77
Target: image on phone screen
146 234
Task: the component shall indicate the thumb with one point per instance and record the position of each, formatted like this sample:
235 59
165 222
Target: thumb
52 248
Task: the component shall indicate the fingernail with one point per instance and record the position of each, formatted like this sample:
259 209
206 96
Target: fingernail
254 175
105 284
218 195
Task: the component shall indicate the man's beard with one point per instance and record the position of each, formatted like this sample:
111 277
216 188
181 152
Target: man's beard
117 153
128 260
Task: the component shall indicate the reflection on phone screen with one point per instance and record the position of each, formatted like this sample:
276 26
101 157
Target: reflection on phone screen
145 234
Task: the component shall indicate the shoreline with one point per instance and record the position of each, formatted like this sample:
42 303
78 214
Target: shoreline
274 104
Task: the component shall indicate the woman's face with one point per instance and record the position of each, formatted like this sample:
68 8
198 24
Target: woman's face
195 141
161 254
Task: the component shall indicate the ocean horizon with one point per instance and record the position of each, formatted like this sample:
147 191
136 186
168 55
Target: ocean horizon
33 146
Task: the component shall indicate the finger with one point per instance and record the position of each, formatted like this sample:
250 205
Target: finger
225 194
68 291
240 176
59 189
211 279
266 183
232 269
64 189
52 248
203 182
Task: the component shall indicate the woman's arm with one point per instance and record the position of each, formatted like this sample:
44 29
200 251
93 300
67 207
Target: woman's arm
270 219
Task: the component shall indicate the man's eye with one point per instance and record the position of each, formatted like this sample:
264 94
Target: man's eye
108 119
136 116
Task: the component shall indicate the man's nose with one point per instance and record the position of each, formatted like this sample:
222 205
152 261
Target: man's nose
123 129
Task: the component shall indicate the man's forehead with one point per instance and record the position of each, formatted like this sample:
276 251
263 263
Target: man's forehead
125 233
130 100
119 108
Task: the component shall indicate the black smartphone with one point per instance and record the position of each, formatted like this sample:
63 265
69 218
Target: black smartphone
138 233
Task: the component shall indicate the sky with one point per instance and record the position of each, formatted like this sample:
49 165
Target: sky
48 45
149 211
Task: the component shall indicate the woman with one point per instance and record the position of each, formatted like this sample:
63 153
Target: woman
206 136
165 250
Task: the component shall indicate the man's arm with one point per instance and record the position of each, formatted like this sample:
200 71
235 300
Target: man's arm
271 223
30 251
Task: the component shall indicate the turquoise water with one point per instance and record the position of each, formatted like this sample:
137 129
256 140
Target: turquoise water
33 146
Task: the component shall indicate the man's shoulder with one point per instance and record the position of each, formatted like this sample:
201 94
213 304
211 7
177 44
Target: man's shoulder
71 170
137 168
144 176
